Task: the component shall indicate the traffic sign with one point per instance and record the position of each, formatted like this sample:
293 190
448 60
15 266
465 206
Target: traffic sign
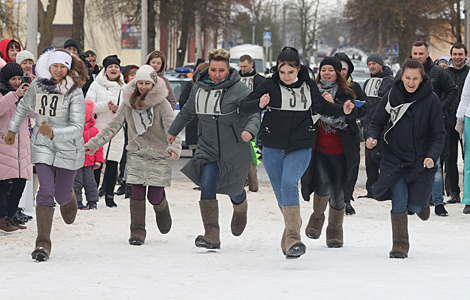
391 50
267 35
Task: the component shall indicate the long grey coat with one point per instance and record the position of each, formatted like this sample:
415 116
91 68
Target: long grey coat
220 134
148 161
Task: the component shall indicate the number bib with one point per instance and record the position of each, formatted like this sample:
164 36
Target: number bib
297 99
208 102
373 87
49 105
248 81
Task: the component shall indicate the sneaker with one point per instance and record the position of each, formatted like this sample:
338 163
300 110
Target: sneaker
81 206
440 210
349 210
454 199
466 209
92 206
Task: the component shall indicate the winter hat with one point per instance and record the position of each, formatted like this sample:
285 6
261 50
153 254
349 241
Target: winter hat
24 55
332 61
59 57
12 69
111 60
146 72
89 105
72 43
376 57
444 59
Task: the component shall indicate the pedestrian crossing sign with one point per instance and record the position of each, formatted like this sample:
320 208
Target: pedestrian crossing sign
391 50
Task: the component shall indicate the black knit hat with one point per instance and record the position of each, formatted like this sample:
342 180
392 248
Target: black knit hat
111 60
72 43
12 69
332 61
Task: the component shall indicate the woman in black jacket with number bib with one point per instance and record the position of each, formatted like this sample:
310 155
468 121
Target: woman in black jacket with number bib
290 98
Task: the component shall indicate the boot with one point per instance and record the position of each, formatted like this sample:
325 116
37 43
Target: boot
293 244
6 226
424 214
466 209
210 219
401 243
454 199
69 210
239 217
283 242
162 214
110 201
128 191
121 190
252 178
44 217
334 231
138 233
317 218
17 222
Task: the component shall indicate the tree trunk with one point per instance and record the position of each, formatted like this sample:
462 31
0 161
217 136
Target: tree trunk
78 31
45 24
181 54
152 17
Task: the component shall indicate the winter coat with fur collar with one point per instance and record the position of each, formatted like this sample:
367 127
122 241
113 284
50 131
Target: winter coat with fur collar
148 161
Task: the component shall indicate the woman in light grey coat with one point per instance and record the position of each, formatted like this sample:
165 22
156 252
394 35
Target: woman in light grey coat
222 159
148 115
57 142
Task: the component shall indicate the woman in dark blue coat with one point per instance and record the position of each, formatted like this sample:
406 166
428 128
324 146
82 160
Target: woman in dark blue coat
413 144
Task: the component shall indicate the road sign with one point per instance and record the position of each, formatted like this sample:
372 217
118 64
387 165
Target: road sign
267 35
391 50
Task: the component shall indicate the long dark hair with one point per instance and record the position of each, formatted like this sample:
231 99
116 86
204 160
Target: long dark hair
342 83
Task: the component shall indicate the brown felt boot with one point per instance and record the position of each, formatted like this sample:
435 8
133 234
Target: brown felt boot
334 231
401 243
294 246
44 217
138 233
210 218
69 210
317 218
252 178
162 214
239 217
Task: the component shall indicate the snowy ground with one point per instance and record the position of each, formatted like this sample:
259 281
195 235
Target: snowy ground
91 259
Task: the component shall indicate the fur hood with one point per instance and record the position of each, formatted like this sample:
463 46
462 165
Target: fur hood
156 95
104 81
42 72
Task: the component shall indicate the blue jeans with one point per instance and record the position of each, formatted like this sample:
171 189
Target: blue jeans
437 187
285 168
400 198
209 181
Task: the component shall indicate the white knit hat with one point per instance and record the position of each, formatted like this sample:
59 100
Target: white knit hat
146 72
59 57
24 55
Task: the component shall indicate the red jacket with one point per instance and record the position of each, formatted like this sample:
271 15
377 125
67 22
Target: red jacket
90 131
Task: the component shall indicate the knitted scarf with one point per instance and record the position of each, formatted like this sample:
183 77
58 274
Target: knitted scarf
330 123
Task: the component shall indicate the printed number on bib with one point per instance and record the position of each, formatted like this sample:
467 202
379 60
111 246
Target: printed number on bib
208 102
248 81
49 105
298 99
373 87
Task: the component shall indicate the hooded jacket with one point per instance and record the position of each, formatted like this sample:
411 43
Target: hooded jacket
148 162
101 92
171 96
3 47
220 133
418 134
65 150
89 132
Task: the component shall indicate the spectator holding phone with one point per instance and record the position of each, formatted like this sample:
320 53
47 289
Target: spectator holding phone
26 60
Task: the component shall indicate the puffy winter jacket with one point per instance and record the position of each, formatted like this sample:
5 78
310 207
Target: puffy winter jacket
89 132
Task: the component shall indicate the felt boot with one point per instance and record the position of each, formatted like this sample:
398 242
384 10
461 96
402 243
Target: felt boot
138 233
44 217
239 217
294 246
162 214
424 214
210 219
401 243
334 231
69 210
317 218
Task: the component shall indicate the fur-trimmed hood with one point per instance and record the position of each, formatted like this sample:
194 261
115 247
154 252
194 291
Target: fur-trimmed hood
156 95
42 72
104 81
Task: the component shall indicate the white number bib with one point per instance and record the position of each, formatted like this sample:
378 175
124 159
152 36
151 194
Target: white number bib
248 81
49 105
208 102
373 87
298 99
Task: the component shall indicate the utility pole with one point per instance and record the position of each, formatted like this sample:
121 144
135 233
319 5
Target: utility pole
32 33
144 29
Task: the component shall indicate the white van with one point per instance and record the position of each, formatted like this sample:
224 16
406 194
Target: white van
256 52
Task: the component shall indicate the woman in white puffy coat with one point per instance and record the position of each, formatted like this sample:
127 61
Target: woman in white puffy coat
106 92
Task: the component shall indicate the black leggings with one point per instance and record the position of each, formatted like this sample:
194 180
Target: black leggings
110 176
329 176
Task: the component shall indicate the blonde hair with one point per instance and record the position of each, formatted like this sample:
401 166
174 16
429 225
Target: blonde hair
219 55
78 72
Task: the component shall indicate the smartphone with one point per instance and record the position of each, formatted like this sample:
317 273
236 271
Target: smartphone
26 79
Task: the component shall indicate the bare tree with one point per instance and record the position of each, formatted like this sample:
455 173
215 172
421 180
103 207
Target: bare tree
78 30
46 17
